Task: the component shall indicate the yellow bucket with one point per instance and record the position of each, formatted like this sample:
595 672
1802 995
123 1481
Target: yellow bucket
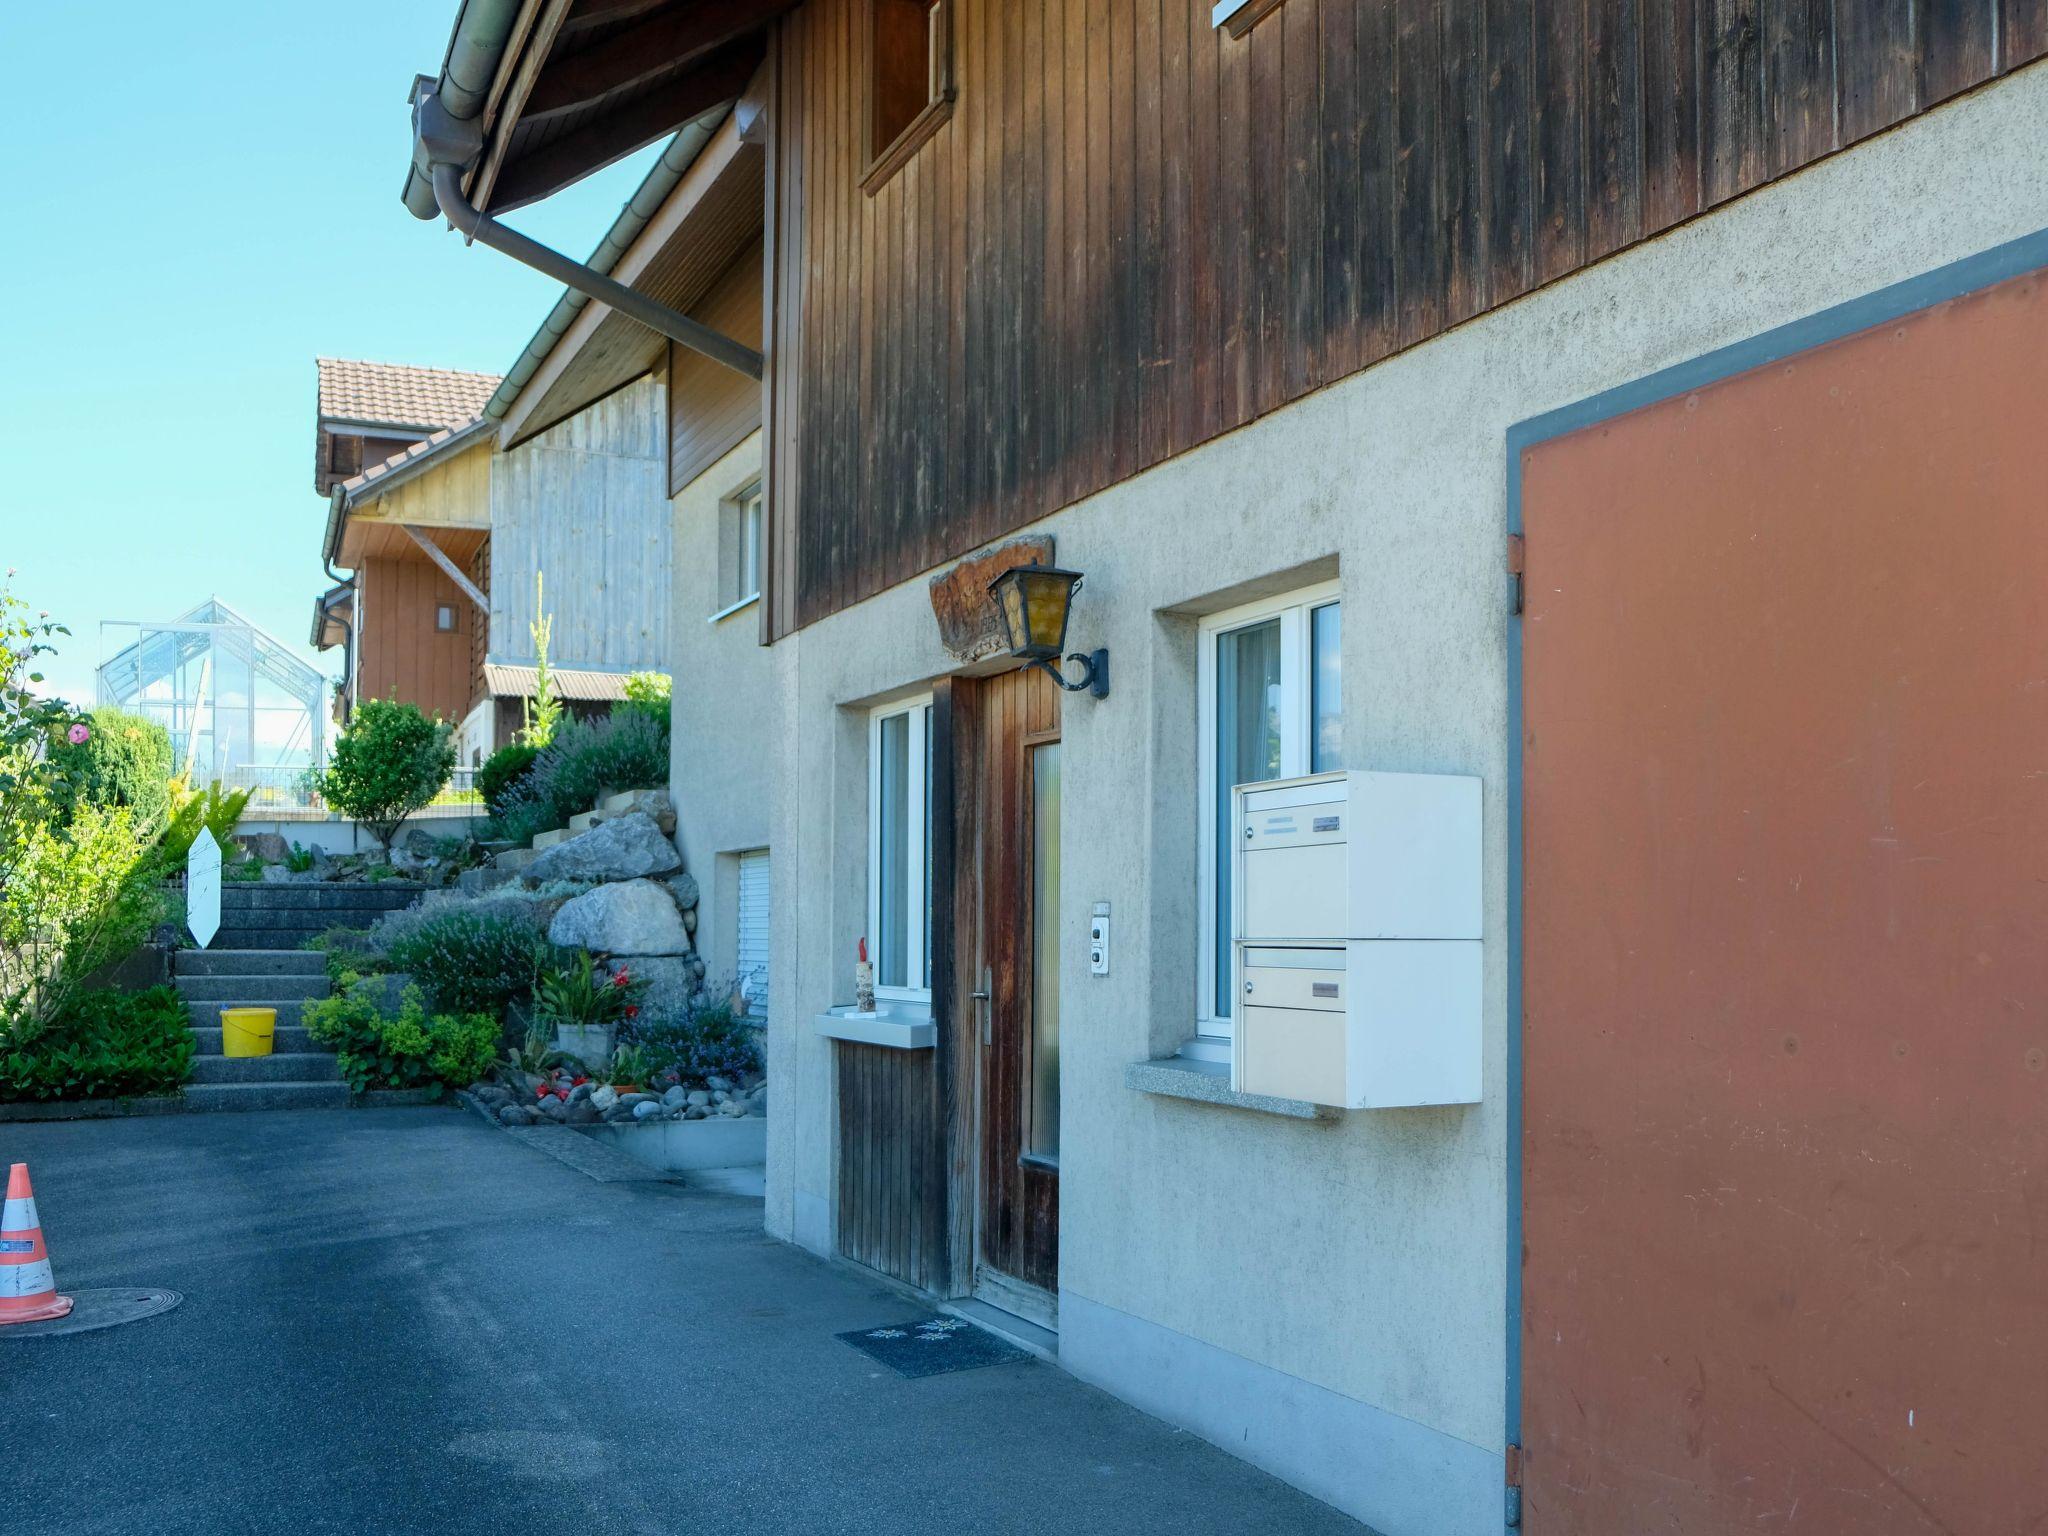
247 1031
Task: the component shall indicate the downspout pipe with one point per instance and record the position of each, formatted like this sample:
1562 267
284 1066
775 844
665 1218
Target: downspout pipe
348 637
476 50
447 145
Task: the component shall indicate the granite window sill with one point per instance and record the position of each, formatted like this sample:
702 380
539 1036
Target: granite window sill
1208 1082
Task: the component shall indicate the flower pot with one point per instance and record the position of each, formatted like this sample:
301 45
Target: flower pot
590 1044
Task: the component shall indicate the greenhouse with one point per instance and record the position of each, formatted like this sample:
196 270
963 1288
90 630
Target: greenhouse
239 705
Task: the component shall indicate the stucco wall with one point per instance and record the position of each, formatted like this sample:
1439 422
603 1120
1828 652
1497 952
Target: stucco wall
723 746
1365 1258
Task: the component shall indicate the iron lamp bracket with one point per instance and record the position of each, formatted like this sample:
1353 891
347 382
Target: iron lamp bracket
1094 672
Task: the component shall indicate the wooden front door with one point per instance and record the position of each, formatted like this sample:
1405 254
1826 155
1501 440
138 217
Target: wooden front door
1009 839
1785 946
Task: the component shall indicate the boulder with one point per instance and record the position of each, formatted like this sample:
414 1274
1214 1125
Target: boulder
270 847
604 1097
626 849
652 803
672 981
675 1097
517 1114
648 1110
634 917
582 1112
683 886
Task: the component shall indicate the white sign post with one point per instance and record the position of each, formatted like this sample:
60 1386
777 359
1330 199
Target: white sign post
202 888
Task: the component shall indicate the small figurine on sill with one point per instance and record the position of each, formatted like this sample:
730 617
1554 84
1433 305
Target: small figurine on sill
863 982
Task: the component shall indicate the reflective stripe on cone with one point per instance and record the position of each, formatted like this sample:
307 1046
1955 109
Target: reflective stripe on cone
28 1287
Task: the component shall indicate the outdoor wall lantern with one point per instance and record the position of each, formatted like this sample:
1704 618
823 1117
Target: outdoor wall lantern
1034 601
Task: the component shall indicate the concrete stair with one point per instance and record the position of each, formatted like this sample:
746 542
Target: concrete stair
262 916
298 1074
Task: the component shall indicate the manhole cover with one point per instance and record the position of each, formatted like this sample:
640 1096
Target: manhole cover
98 1309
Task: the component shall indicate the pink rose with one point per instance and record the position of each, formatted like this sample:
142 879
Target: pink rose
80 734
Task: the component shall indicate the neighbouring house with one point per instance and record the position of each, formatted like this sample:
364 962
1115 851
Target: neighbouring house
239 705
1626 408
673 510
404 461
446 537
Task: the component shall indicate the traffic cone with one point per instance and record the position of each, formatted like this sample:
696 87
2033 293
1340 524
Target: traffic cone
28 1291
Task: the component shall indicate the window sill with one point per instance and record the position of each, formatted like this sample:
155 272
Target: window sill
906 144
732 608
895 1026
1208 1082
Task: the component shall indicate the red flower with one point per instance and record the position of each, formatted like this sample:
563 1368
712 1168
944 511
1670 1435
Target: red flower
619 977
632 1011
542 1091
579 1082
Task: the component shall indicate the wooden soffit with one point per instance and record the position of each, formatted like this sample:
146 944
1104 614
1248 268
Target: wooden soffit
711 217
596 80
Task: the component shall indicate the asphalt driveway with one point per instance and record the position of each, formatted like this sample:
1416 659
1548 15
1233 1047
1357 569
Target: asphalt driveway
406 1320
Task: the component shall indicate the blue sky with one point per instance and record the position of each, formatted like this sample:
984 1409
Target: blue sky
199 200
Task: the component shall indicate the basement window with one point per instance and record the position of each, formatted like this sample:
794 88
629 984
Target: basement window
910 81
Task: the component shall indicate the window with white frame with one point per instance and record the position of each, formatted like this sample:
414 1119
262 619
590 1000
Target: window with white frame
1270 683
739 550
899 850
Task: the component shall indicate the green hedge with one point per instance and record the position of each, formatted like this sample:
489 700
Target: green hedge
414 1050
105 1045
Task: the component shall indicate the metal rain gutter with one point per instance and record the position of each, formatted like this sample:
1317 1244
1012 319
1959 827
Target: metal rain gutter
476 48
662 178
448 145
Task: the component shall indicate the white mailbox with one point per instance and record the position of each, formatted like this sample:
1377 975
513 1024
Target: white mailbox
1357 959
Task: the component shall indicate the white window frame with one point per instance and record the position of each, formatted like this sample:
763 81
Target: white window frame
918 855
1294 610
744 513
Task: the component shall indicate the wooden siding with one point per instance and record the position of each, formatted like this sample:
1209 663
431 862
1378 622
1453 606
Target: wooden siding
455 493
1137 233
479 569
892 1164
711 408
586 504
402 655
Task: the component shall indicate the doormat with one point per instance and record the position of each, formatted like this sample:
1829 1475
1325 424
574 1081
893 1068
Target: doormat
933 1346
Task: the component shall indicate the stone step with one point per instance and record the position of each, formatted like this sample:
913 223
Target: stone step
249 962
259 991
289 1040
583 821
278 1067
299 920
265 938
545 840
241 1096
378 895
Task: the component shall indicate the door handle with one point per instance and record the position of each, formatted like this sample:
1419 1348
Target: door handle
984 994
979 996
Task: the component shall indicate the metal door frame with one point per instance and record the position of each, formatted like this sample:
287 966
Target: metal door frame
2015 258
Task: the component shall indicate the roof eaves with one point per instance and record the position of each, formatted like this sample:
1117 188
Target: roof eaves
662 179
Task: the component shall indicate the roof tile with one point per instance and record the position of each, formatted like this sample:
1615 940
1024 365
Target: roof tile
399 395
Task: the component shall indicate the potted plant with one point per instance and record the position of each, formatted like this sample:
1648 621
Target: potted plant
586 1002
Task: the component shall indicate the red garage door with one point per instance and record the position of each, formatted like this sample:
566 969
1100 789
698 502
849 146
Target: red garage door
1785 682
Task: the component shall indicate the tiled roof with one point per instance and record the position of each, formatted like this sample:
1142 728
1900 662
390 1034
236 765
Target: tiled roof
396 394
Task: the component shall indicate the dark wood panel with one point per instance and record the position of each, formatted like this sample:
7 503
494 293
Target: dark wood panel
1137 232
711 408
891 1159
1958 43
